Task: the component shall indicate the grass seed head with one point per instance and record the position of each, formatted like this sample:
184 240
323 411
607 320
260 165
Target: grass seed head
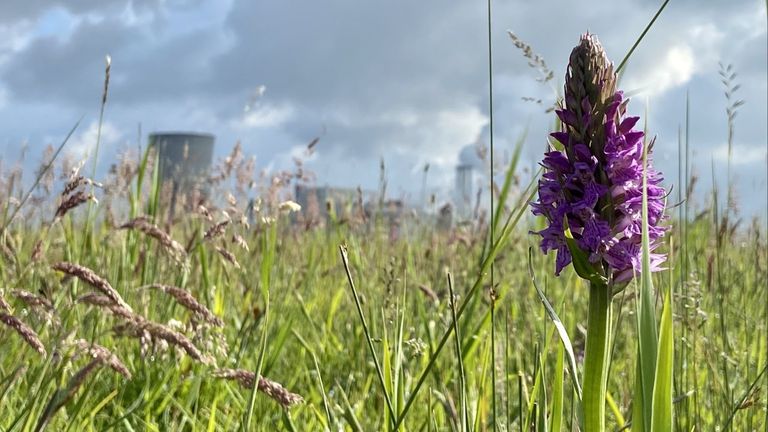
271 388
4 304
63 396
159 331
24 331
32 300
142 224
91 278
74 200
228 256
187 300
103 354
102 301
216 230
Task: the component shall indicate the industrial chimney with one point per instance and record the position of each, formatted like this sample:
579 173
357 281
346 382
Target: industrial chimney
184 159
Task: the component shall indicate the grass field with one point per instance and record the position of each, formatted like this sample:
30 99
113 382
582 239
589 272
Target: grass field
288 314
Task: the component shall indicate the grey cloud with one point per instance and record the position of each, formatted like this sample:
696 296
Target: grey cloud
68 72
358 70
13 10
146 64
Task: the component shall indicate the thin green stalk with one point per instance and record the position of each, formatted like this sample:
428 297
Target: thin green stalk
747 393
259 366
326 406
368 339
559 327
684 250
459 357
507 371
269 246
556 419
596 357
520 415
88 221
493 215
493 358
642 35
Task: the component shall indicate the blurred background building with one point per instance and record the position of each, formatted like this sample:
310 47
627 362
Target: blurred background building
469 180
184 159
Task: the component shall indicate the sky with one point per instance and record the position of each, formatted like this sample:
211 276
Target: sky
406 81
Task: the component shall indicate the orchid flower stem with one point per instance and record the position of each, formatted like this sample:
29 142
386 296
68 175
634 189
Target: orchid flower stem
597 357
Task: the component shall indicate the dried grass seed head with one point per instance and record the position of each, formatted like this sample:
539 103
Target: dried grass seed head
101 353
145 226
271 388
91 278
188 301
24 331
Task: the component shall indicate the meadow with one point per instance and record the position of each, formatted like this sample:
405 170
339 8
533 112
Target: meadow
273 298
223 313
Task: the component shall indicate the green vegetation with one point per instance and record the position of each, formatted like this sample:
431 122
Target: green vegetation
290 316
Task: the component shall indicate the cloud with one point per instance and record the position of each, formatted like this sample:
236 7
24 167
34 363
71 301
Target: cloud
694 50
675 69
742 154
404 80
264 117
14 10
83 145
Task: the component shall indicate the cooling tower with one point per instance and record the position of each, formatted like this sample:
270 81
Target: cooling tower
184 158
185 161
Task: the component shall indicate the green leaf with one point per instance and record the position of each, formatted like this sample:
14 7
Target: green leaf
647 340
559 326
581 263
638 408
661 418
556 420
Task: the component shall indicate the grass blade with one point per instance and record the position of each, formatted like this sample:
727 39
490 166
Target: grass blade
459 356
646 327
640 38
566 341
556 419
661 418
382 381
744 398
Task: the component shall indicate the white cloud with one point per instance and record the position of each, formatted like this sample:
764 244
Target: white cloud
83 144
696 50
742 154
264 116
450 131
676 68
439 137
133 17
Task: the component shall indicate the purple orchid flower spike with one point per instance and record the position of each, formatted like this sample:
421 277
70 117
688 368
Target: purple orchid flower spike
594 184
